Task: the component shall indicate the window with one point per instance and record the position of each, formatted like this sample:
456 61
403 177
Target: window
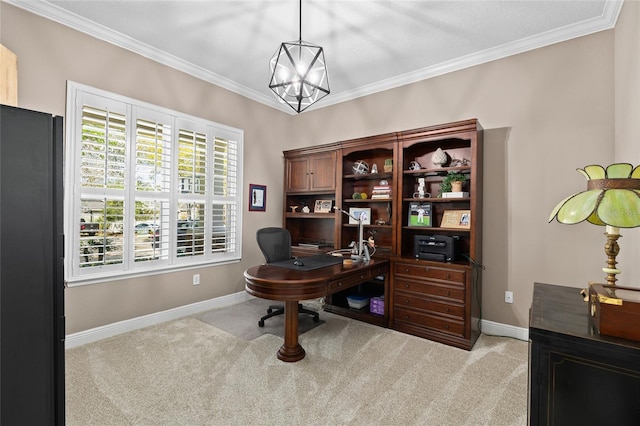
148 189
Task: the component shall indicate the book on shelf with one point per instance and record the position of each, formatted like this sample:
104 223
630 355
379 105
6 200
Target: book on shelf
455 195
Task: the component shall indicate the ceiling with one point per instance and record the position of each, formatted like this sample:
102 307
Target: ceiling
369 46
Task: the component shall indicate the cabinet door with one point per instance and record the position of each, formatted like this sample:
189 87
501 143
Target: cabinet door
323 172
297 174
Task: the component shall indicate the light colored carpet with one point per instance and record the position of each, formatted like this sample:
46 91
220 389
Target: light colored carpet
188 372
241 319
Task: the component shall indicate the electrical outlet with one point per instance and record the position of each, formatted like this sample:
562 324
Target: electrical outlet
508 297
196 279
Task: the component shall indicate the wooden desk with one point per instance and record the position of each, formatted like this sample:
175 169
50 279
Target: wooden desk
291 286
576 376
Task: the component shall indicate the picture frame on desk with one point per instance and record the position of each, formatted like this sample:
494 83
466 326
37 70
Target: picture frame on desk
323 206
355 212
257 198
457 219
420 214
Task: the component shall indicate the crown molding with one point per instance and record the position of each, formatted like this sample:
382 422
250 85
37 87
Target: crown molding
604 22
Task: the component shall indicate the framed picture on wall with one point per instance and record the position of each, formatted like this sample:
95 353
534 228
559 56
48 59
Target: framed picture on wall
257 198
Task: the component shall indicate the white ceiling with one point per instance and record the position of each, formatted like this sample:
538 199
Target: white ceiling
369 46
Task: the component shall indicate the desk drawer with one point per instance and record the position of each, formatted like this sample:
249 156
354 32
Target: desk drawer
348 281
406 300
432 289
425 320
420 271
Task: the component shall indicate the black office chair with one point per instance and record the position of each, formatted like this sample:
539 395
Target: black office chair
275 244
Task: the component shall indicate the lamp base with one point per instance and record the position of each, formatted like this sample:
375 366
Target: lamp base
611 249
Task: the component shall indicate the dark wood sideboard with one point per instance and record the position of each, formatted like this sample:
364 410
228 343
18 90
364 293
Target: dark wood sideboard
576 376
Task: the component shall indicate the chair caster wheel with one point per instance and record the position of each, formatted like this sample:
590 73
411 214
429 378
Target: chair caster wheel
260 323
316 319
269 310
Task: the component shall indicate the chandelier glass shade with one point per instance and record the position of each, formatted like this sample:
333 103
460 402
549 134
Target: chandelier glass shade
299 73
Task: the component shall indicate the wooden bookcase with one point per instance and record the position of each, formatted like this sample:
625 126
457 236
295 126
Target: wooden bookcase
439 300
310 175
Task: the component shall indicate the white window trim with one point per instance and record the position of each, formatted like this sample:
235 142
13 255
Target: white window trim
75 91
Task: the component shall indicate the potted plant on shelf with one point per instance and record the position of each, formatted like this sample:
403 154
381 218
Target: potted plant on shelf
452 182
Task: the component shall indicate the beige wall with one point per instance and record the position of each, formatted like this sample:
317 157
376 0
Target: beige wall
545 112
627 123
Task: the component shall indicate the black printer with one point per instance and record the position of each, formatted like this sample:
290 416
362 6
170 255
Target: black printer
442 248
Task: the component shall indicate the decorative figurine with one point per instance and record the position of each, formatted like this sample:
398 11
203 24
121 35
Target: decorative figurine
360 167
374 168
414 165
439 158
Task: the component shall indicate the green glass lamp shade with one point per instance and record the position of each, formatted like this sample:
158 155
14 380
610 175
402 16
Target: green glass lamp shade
612 198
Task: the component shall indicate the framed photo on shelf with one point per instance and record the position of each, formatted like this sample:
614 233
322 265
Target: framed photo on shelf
460 219
323 206
420 214
357 212
257 198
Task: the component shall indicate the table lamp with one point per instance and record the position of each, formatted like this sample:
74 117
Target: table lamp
612 199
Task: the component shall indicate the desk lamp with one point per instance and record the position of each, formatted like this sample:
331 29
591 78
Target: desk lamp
612 199
363 250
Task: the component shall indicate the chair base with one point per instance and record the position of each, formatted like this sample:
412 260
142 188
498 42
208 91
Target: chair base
274 310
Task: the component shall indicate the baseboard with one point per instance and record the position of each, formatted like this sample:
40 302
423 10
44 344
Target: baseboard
110 330
506 330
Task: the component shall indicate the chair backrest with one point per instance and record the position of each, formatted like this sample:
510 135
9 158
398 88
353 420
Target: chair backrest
275 243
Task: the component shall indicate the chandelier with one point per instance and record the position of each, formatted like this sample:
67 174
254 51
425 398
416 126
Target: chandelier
299 73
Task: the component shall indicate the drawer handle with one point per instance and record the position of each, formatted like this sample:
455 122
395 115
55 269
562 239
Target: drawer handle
407 317
406 270
406 301
447 310
447 293
448 275
340 284
406 285
362 277
446 326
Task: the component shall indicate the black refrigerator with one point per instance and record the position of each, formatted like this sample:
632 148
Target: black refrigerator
31 268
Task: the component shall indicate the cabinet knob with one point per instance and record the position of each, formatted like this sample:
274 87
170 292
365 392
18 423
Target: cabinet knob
339 284
362 277
406 317
448 293
447 310
406 301
406 285
446 326
448 275
406 270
